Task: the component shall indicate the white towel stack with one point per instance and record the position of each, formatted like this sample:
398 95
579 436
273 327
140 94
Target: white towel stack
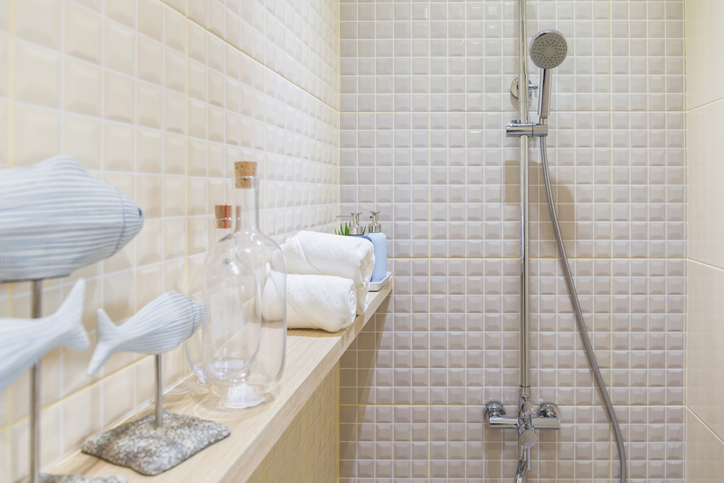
327 273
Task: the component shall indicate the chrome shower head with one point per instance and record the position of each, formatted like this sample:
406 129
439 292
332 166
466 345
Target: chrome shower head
548 49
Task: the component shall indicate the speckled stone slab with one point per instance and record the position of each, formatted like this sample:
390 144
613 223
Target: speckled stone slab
81 479
149 451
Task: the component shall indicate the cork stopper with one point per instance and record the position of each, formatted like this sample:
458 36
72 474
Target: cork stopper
222 213
243 172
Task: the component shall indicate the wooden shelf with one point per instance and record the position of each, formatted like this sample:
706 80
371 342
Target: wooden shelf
311 355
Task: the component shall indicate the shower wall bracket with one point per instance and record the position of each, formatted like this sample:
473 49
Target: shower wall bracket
532 129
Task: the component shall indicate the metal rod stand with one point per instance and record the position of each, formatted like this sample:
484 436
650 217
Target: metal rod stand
36 309
158 424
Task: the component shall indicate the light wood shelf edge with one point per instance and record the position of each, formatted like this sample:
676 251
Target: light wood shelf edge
311 355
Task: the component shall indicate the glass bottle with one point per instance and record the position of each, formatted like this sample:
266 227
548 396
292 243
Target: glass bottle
231 334
194 353
263 254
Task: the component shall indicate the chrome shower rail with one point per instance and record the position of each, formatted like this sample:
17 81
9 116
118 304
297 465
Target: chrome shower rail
548 49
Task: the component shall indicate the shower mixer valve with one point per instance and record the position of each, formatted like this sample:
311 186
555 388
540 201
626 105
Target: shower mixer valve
529 418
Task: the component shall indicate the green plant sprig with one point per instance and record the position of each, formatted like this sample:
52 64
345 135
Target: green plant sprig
344 229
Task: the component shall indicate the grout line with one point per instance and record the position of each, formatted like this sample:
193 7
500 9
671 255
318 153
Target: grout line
704 424
707 104
704 264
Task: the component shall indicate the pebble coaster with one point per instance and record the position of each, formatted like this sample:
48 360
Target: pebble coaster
149 451
80 479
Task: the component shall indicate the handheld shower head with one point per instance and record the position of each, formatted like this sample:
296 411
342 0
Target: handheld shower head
548 50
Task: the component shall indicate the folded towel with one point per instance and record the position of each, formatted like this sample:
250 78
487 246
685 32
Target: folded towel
314 302
311 253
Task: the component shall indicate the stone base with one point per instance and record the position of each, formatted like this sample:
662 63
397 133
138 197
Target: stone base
80 479
149 451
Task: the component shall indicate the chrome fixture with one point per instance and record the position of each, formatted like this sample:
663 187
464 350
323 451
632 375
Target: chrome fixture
548 50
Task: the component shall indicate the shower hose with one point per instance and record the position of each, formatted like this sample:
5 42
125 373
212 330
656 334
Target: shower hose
579 315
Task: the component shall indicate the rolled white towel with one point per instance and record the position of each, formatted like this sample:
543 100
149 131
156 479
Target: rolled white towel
312 253
314 302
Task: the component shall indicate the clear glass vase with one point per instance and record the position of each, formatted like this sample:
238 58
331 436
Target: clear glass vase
222 224
265 257
232 332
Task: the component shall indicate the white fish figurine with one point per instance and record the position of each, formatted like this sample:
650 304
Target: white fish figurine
55 218
23 342
158 327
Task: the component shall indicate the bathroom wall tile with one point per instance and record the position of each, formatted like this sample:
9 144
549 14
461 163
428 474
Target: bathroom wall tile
174 238
559 367
37 75
123 11
649 181
39 22
704 335
150 19
117 399
150 60
704 451
704 173
120 48
648 332
703 58
118 147
37 135
83 33
82 140
119 98
82 88
86 403
384 442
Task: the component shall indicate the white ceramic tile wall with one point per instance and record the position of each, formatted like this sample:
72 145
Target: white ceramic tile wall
424 98
705 108
159 99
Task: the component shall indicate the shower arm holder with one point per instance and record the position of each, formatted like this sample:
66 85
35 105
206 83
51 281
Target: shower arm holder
516 129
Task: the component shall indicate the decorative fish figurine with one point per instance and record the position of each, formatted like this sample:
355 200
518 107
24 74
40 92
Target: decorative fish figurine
23 342
158 327
55 218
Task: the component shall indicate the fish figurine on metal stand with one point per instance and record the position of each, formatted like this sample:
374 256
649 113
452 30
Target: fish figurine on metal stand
26 341
163 439
55 218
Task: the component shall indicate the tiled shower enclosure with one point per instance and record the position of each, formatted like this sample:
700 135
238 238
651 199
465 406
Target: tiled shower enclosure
424 100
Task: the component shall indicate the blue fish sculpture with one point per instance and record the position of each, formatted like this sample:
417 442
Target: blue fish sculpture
55 218
158 327
23 342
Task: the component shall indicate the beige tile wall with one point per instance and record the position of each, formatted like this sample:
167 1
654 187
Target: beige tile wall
705 211
159 99
309 448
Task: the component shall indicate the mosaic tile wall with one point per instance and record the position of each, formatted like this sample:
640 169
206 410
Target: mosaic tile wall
309 448
159 99
424 98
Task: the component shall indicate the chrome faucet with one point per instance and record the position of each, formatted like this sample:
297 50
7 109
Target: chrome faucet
529 419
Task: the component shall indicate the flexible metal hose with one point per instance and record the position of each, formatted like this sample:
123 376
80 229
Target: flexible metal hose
579 315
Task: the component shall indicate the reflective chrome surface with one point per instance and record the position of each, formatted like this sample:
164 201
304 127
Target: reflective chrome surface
36 313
